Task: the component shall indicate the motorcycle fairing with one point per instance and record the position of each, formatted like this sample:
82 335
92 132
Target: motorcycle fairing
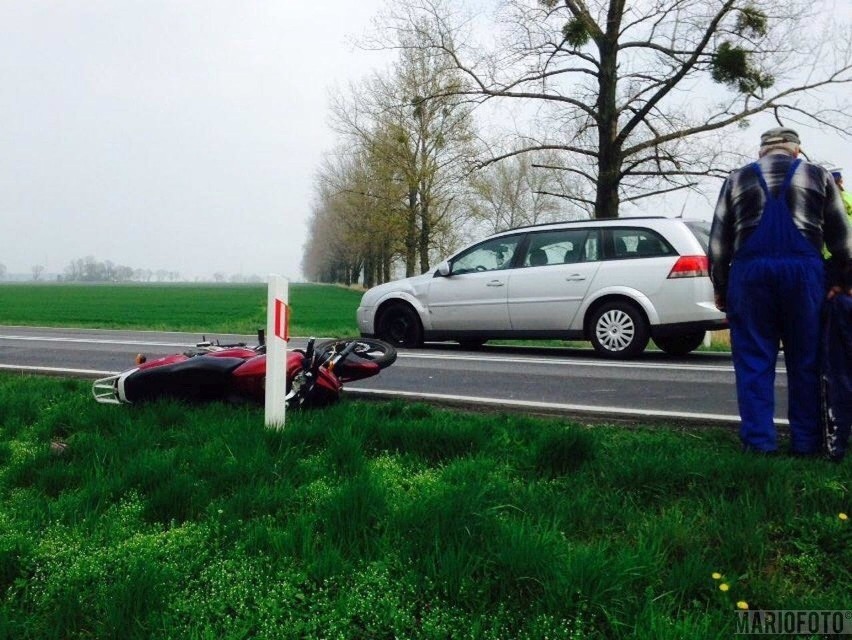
356 368
200 378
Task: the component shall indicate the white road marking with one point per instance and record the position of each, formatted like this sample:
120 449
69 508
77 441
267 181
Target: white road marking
416 356
554 406
566 361
55 370
140 343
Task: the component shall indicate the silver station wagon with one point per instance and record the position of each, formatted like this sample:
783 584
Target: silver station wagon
617 283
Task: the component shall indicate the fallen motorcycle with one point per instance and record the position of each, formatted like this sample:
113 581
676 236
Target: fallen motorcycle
236 372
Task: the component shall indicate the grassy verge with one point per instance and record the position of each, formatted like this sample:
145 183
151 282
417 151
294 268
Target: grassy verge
371 520
321 310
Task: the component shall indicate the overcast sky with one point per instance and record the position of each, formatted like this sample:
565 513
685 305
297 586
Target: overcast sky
179 135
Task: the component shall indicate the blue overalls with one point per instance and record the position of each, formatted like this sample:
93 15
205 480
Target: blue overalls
776 293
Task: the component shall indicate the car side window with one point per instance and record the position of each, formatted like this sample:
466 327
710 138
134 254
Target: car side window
637 243
490 255
565 246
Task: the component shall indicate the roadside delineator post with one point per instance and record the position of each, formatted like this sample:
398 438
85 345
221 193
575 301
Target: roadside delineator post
277 336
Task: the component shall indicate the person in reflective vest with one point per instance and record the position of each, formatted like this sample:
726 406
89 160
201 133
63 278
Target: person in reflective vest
847 197
769 226
837 175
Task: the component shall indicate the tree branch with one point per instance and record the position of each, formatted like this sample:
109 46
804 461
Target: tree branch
658 192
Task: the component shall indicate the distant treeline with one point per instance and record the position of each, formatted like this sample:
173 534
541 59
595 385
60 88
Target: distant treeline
90 270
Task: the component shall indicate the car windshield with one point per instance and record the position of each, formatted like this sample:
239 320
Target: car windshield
487 256
701 230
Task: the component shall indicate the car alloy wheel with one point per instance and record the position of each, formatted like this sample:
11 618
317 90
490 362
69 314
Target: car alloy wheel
619 330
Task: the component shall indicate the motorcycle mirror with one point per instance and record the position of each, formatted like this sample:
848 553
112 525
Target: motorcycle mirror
309 353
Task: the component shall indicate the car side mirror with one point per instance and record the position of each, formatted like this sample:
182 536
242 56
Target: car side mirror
443 270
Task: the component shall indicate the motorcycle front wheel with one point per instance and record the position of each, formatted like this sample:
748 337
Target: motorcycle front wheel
378 351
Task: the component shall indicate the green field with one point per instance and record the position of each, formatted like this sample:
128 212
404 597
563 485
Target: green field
397 520
317 310
320 310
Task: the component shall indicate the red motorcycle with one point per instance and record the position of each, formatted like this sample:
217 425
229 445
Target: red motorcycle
236 372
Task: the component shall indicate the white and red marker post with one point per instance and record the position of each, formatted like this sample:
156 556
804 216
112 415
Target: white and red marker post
277 336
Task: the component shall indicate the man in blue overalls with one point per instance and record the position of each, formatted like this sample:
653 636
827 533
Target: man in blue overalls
768 230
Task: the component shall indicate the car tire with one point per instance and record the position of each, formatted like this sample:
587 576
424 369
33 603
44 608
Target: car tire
619 330
680 345
399 325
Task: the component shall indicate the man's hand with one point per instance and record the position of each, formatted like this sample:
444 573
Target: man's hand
719 299
836 291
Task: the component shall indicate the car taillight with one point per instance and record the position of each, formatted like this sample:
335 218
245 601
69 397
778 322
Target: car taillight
690 267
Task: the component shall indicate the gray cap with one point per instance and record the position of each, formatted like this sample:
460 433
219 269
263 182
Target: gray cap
779 135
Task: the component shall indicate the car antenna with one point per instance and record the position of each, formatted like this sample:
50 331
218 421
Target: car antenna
683 208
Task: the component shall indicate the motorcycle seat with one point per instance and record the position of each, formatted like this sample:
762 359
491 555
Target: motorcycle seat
198 378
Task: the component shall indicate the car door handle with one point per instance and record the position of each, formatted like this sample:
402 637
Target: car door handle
494 283
575 277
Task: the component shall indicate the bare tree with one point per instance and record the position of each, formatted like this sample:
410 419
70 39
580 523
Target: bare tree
2 270
522 190
636 95
37 270
423 145
123 273
356 222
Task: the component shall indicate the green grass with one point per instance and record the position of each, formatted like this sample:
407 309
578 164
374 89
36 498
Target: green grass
318 310
370 520
321 310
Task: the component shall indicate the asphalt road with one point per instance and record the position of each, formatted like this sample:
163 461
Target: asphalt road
697 389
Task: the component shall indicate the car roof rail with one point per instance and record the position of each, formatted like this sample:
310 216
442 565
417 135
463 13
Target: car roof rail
556 222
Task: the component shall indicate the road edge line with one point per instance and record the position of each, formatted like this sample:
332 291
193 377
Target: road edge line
616 414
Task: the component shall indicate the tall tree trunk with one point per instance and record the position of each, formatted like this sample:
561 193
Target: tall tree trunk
369 269
386 267
425 233
606 198
411 233
609 150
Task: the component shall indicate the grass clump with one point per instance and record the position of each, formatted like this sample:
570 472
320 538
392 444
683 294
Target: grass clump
367 520
559 451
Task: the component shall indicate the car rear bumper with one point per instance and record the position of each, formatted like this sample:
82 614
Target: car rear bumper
681 328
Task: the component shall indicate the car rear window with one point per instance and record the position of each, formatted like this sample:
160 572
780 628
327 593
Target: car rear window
636 242
701 230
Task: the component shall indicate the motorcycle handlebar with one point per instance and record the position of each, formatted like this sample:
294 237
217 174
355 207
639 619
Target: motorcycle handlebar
340 357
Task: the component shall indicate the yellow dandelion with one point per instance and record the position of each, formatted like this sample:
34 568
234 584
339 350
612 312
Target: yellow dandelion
716 576
742 604
724 586
842 516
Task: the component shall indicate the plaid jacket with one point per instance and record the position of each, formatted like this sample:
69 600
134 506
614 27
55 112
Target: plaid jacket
814 202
